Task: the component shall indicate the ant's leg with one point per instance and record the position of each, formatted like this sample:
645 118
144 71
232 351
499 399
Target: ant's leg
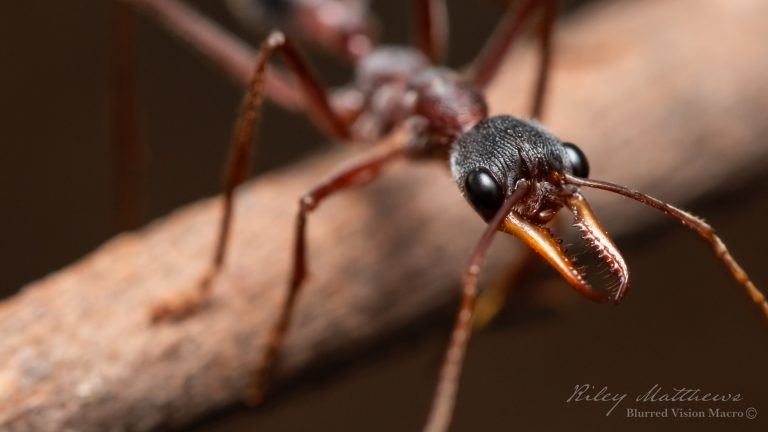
448 383
221 47
317 102
431 28
240 156
127 152
355 175
485 67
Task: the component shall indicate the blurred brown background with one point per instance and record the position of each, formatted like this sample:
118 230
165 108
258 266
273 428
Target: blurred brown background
57 205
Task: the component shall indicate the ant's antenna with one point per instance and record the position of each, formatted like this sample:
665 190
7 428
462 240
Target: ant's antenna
691 221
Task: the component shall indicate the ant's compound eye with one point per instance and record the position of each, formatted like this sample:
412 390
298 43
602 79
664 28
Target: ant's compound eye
578 160
484 192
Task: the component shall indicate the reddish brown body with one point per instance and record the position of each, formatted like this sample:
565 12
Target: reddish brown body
397 85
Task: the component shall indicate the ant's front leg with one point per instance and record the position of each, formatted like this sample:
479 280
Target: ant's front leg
448 382
355 175
319 109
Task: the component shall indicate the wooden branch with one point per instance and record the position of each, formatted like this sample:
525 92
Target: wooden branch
667 98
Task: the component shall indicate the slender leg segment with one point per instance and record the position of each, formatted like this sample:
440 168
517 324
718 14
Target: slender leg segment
317 102
486 66
432 28
358 174
691 221
448 382
241 153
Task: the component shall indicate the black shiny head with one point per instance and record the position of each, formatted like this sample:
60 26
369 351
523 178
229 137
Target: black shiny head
493 158
489 159
577 159
484 192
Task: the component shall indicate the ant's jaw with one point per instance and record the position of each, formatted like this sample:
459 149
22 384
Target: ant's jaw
541 240
597 239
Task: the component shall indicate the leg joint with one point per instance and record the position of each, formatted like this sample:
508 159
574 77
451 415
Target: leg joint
276 39
307 203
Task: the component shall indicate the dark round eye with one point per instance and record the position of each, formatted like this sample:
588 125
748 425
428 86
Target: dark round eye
484 192
578 160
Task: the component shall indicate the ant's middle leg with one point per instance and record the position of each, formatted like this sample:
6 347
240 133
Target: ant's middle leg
355 175
320 111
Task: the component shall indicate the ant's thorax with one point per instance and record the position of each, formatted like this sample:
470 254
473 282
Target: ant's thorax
396 85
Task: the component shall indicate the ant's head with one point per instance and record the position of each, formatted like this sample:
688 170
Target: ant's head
501 154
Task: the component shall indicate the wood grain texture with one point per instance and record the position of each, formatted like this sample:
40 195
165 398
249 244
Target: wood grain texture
665 98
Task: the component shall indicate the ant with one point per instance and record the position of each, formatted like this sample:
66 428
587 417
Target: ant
513 172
